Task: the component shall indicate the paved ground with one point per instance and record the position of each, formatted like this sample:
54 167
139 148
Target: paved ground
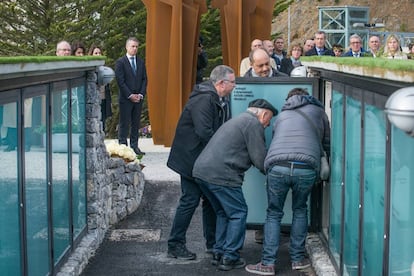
138 245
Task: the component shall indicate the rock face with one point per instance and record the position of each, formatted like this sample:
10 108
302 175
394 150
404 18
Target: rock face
304 16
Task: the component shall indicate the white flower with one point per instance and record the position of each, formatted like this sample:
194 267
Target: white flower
120 150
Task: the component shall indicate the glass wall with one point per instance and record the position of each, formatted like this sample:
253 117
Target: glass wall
401 253
35 184
10 242
336 179
60 100
78 158
374 188
42 175
367 160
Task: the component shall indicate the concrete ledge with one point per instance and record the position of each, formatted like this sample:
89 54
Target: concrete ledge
319 256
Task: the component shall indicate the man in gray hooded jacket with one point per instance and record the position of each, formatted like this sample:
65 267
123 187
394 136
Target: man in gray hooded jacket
292 162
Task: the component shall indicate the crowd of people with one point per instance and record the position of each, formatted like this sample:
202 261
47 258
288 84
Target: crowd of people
285 61
212 166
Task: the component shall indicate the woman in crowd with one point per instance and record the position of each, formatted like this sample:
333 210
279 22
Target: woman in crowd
78 49
292 59
392 48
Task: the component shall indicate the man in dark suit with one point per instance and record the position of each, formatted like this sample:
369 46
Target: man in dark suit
131 77
320 49
356 49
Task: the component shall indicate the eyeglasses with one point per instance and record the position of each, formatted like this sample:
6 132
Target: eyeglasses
231 81
64 50
355 42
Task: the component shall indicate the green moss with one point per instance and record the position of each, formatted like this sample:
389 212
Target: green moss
393 65
42 59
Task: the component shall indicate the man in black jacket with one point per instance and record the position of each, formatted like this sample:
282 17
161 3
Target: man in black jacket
203 114
131 76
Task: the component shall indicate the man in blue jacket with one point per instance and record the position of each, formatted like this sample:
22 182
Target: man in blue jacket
292 162
356 49
203 114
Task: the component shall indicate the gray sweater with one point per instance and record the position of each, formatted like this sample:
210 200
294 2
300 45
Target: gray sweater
237 144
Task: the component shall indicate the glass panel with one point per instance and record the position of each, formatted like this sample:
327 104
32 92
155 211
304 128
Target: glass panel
60 165
336 176
36 191
352 184
401 253
374 186
78 158
10 261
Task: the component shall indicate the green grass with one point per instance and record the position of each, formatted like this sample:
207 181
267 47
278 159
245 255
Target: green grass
369 62
42 59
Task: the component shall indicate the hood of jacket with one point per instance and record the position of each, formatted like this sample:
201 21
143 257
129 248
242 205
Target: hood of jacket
205 87
297 101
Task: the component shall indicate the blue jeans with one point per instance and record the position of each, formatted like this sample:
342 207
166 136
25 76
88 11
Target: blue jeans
279 181
231 211
189 201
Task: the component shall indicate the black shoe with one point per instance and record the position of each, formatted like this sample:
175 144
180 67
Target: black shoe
259 236
181 252
9 148
226 264
216 258
138 151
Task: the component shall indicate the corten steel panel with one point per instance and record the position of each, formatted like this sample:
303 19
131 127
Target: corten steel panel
172 32
241 22
172 36
192 10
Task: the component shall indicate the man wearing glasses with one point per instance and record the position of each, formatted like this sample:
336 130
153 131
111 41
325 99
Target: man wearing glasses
356 49
205 111
63 48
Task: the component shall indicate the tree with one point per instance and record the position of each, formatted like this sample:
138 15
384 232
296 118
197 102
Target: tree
119 20
34 27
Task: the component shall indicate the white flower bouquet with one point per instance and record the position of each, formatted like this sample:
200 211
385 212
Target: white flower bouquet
121 151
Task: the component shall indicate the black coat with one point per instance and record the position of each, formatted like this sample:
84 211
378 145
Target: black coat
286 66
203 114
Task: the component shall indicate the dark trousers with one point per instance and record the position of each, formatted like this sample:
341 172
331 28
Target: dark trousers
231 211
129 122
189 201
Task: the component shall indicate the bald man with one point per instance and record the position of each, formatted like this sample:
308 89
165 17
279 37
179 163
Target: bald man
245 63
260 65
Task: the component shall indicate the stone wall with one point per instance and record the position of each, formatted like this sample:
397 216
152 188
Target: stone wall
114 188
